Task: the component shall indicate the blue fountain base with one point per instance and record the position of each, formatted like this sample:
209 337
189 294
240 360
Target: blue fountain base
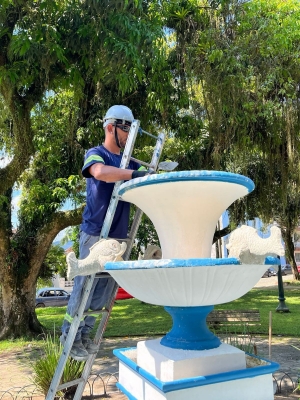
190 331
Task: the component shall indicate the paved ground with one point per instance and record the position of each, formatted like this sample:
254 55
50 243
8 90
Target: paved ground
16 370
272 281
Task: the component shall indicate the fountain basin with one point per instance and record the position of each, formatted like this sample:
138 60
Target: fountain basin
186 283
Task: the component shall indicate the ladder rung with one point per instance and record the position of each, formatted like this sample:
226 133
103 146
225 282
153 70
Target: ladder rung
103 275
141 162
69 384
147 133
95 312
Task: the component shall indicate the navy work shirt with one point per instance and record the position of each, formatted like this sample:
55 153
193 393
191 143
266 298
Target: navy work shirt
99 195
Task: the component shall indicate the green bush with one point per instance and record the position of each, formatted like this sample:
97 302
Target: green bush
45 367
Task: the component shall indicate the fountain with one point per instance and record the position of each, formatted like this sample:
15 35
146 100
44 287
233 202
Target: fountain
189 362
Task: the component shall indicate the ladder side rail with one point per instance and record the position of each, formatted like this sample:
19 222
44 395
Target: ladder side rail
124 164
98 339
69 340
158 150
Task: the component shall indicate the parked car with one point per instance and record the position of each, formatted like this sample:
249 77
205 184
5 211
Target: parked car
286 269
122 294
51 297
269 272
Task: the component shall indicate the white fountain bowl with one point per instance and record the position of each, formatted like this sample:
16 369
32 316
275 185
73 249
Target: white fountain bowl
185 207
186 283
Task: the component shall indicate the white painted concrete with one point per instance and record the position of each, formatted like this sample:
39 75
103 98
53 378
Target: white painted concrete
185 213
168 364
254 388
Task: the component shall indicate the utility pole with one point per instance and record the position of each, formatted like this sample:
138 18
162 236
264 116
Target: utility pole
281 306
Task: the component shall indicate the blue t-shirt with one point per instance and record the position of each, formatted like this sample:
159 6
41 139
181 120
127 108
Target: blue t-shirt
99 195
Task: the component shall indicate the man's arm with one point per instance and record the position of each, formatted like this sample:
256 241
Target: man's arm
108 174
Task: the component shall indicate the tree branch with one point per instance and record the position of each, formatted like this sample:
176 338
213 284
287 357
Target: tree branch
47 234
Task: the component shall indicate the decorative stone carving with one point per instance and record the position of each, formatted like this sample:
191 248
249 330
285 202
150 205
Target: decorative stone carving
101 252
246 245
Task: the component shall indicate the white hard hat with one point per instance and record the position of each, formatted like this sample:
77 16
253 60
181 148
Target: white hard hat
119 114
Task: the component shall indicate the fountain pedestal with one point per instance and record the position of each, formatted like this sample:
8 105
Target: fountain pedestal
189 362
242 384
168 364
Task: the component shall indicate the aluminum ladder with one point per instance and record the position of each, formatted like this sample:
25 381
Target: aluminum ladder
55 385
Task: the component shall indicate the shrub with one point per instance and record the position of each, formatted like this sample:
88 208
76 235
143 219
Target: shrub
44 368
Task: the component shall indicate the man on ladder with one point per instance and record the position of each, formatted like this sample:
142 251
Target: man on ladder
101 168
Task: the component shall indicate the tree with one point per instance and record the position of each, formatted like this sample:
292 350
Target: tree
62 63
242 60
55 262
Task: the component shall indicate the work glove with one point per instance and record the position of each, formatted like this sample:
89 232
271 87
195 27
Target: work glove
140 174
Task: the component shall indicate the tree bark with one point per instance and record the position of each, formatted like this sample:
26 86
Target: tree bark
290 251
17 312
18 287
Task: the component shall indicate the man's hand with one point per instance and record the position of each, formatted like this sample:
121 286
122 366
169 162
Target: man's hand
140 174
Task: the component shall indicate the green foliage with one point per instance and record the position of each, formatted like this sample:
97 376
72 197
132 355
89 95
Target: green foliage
146 235
55 262
45 367
43 282
54 174
237 62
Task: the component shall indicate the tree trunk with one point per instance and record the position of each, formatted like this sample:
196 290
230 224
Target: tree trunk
17 312
290 251
21 257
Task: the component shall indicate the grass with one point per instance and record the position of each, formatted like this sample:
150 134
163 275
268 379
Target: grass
134 318
292 283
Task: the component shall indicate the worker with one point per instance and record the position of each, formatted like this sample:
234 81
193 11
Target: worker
101 168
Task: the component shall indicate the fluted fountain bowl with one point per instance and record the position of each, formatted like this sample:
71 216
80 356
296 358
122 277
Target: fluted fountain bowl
186 283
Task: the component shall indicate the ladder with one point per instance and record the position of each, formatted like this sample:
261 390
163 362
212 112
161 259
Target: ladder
55 385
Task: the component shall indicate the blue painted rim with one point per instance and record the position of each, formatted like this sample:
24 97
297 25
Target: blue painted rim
171 263
125 391
213 176
195 381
